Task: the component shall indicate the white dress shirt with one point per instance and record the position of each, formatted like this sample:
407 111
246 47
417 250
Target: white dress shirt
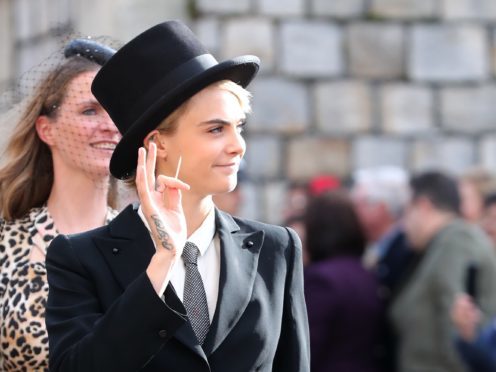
207 241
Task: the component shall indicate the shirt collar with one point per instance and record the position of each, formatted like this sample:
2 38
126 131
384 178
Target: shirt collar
201 237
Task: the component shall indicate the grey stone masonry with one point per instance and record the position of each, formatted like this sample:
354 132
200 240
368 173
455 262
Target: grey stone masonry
469 9
338 8
311 49
279 105
250 36
404 9
273 201
406 109
250 201
30 18
208 31
281 7
343 107
263 157
223 6
449 53
33 55
371 151
376 50
469 109
452 154
493 53
487 152
310 156
6 48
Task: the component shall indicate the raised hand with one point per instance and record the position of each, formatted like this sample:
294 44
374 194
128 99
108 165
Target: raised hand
160 199
465 316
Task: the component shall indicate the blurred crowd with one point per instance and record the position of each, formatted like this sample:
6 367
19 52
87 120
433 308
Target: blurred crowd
400 269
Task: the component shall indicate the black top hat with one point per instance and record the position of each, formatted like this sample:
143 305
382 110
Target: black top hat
151 76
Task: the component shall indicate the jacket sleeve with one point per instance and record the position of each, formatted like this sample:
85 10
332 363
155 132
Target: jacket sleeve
458 251
84 337
293 350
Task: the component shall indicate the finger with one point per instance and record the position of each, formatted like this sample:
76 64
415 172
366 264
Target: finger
164 182
150 166
141 178
171 189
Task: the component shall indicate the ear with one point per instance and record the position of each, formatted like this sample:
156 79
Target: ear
45 130
155 137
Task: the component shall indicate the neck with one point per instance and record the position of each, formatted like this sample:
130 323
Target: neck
435 224
195 210
78 203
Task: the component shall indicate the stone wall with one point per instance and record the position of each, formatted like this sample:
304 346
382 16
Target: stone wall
355 83
343 84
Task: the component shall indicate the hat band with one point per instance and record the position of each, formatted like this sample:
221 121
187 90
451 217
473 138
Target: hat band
174 78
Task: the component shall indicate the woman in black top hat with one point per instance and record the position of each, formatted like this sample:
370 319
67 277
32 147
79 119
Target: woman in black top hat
175 284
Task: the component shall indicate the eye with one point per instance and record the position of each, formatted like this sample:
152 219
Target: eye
217 129
89 111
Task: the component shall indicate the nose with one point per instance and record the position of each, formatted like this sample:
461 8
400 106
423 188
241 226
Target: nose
105 123
237 144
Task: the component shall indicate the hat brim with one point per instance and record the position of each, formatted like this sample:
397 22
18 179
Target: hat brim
124 159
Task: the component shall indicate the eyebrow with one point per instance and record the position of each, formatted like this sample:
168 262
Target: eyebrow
89 102
222 121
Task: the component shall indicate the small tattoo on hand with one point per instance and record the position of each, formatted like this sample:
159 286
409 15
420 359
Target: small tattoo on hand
162 234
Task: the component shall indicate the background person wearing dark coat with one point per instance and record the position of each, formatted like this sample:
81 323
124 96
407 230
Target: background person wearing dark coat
344 309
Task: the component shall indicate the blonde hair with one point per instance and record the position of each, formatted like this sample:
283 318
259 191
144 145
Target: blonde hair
27 176
169 124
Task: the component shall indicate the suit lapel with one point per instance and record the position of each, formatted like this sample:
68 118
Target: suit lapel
129 249
239 261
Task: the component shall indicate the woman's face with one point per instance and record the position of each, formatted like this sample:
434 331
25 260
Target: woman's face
84 136
208 138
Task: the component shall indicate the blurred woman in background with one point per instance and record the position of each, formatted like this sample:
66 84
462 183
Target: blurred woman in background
55 179
344 310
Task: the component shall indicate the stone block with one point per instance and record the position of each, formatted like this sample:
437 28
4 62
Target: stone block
281 8
487 152
404 9
208 31
6 45
263 157
311 49
312 156
376 50
250 36
124 19
251 201
343 107
273 202
468 109
223 6
371 151
451 154
493 52
468 9
406 109
338 8
279 105
449 53
36 56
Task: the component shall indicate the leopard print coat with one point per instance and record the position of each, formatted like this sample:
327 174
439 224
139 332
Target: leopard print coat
24 290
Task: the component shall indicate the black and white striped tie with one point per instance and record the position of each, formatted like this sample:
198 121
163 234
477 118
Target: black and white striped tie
195 299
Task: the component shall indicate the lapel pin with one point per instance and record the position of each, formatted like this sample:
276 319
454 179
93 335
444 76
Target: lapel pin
115 250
